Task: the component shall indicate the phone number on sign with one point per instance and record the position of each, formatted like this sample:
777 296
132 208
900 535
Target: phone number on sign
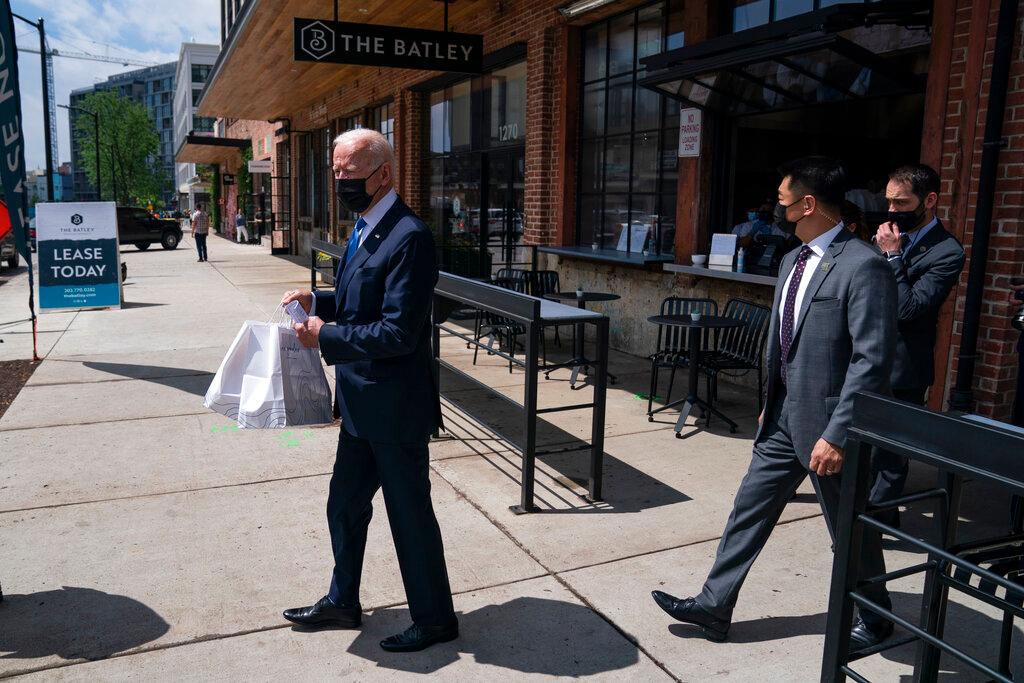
79 295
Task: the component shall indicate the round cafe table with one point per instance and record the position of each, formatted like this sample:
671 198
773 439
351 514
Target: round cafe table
694 336
578 361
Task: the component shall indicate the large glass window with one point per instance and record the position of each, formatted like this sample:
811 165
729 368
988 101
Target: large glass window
475 154
200 72
750 13
202 124
627 169
382 119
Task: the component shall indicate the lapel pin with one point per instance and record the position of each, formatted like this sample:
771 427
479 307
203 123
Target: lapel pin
376 235
825 266
922 249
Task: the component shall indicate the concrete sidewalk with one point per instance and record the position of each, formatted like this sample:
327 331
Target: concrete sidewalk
144 537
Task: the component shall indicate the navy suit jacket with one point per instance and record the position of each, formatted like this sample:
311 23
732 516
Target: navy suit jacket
379 343
924 278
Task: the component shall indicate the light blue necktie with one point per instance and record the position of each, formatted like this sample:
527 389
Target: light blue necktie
353 241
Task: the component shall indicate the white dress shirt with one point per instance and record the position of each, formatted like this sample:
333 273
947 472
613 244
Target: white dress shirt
818 246
372 217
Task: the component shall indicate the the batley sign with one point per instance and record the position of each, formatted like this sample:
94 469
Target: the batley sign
319 40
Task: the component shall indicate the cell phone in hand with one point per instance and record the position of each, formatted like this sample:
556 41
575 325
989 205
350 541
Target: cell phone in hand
297 312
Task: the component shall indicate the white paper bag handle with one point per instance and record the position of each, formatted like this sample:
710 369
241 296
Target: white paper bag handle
280 317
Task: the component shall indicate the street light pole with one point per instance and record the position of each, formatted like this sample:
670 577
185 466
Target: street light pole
96 128
46 103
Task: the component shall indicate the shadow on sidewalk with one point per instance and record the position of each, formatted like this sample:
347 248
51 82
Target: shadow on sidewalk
74 623
626 488
527 634
177 378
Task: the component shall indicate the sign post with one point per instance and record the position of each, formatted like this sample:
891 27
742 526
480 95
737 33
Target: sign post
79 266
690 128
337 42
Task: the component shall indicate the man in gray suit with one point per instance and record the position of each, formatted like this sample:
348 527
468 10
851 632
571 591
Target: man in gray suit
832 334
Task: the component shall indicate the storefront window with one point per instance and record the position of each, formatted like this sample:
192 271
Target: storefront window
476 156
627 171
382 119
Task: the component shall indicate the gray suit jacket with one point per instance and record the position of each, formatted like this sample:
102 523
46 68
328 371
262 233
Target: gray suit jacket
844 342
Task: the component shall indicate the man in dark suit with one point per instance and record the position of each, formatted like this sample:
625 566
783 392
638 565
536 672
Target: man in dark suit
374 328
926 261
832 334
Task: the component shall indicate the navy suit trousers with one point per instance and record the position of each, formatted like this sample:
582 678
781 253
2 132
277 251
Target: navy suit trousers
402 471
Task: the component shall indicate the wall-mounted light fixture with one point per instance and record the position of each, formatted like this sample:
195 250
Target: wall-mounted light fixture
575 9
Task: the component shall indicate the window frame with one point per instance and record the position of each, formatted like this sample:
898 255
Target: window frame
661 197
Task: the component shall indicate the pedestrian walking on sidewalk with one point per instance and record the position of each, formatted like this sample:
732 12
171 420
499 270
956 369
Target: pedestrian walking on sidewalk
832 334
240 229
200 229
374 328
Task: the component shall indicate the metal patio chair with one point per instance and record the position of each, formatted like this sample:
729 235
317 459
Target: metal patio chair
739 349
673 349
497 328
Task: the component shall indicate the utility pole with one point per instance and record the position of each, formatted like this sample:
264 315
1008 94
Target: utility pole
96 128
47 133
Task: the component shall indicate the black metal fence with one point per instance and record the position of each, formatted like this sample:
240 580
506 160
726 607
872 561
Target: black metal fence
960 448
531 315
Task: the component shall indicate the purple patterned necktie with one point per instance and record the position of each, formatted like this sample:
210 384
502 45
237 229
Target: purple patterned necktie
789 307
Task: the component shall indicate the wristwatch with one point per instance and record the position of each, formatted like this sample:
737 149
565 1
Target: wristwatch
890 255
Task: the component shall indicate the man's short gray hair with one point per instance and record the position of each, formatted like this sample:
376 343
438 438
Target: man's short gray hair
371 143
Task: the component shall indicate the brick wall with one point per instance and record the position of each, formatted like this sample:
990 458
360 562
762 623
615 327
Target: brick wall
503 23
963 133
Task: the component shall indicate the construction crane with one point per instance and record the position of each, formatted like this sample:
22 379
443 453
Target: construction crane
54 52
50 54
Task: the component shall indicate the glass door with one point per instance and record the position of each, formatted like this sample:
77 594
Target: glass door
503 225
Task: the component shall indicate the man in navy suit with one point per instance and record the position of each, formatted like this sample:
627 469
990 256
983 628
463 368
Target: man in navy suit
926 260
374 328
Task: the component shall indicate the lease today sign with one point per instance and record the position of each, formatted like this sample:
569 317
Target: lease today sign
78 255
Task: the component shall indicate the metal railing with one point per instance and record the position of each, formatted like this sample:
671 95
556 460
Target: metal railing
324 258
454 292
960 448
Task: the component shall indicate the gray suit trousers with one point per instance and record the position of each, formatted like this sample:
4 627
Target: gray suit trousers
773 477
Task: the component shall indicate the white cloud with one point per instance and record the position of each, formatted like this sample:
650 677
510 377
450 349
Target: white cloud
144 30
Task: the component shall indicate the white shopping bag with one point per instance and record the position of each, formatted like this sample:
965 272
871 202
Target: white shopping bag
269 380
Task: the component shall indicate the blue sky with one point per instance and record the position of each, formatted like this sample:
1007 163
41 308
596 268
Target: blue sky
145 30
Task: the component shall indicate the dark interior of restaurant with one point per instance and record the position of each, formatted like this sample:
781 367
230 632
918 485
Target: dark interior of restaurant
872 137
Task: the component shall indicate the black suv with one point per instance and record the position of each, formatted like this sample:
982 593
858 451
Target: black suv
139 227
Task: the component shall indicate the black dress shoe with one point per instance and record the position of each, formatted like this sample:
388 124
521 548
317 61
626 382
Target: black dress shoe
324 613
416 637
687 610
863 636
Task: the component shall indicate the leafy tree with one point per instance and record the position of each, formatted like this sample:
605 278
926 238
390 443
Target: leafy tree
128 149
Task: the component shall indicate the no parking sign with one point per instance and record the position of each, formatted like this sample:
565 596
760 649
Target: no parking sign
78 255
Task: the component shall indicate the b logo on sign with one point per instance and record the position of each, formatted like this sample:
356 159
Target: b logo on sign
76 219
317 40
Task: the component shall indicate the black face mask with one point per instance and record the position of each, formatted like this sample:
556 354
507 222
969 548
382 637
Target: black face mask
907 221
352 194
785 225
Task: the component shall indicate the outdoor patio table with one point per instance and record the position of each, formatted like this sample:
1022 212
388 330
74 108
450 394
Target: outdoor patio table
704 322
578 361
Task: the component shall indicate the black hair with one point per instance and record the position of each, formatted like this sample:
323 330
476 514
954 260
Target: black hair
822 177
923 179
